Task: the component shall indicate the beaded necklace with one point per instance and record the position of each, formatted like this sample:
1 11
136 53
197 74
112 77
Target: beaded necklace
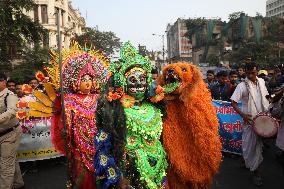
144 128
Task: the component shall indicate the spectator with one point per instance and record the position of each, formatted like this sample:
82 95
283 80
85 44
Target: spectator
19 91
153 86
221 90
234 80
210 78
33 83
280 79
11 85
276 78
263 74
155 74
241 72
10 135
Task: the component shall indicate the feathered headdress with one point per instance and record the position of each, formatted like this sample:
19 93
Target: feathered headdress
129 58
77 62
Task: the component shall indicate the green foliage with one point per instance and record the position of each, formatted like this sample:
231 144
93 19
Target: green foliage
107 42
16 28
258 15
275 29
236 15
213 60
194 25
33 60
265 53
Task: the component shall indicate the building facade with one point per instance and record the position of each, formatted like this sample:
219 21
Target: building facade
205 41
71 21
275 8
179 46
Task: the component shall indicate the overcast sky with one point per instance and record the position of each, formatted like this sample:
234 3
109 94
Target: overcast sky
137 20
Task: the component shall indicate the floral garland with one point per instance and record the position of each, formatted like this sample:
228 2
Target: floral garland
115 95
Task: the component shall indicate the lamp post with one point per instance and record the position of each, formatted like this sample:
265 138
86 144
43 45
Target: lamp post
163 41
63 118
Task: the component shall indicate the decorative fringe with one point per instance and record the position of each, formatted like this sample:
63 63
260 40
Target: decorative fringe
190 133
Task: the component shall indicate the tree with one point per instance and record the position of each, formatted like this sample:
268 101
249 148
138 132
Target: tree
275 28
34 59
106 42
195 25
17 29
235 15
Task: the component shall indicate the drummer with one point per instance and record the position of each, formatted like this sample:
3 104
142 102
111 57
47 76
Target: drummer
252 94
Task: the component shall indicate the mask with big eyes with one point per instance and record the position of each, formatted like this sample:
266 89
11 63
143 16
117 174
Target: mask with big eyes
136 84
85 85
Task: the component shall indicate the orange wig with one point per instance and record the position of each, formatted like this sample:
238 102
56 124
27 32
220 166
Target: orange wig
190 131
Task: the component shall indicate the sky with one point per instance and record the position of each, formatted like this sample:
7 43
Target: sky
137 20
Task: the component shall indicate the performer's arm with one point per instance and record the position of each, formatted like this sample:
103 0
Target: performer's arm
246 117
236 97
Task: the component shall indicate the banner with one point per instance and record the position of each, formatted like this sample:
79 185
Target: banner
230 128
36 141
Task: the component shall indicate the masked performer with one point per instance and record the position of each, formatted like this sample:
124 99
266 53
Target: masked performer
190 131
129 151
84 72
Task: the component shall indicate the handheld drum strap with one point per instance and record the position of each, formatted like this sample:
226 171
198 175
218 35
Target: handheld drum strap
248 88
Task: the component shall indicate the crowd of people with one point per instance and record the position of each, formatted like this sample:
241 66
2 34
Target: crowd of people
256 90
223 83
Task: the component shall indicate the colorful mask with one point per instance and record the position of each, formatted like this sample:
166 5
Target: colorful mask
136 83
132 64
86 84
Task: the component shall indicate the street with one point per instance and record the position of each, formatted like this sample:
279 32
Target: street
52 174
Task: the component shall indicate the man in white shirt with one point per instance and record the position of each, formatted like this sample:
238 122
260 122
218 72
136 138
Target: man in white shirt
252 94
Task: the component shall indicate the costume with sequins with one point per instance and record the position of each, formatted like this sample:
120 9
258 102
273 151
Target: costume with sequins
79 111
128 143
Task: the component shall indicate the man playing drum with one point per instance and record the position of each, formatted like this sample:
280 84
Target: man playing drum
252 94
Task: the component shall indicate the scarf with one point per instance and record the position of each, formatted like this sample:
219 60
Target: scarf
253 109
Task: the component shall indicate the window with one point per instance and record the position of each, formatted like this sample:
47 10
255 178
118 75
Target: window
44 17
35 13
56 15
62 17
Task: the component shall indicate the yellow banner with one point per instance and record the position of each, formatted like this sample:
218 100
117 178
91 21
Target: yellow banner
37 154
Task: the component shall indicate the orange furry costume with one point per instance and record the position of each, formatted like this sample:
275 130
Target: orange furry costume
190 131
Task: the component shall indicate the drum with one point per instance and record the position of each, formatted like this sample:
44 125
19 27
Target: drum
265 126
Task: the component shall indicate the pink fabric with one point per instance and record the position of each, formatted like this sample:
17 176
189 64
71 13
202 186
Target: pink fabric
80 151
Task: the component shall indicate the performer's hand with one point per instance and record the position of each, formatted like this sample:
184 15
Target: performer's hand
247 119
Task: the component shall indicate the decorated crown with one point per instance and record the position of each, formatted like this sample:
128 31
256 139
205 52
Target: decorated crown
130 58
77 62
